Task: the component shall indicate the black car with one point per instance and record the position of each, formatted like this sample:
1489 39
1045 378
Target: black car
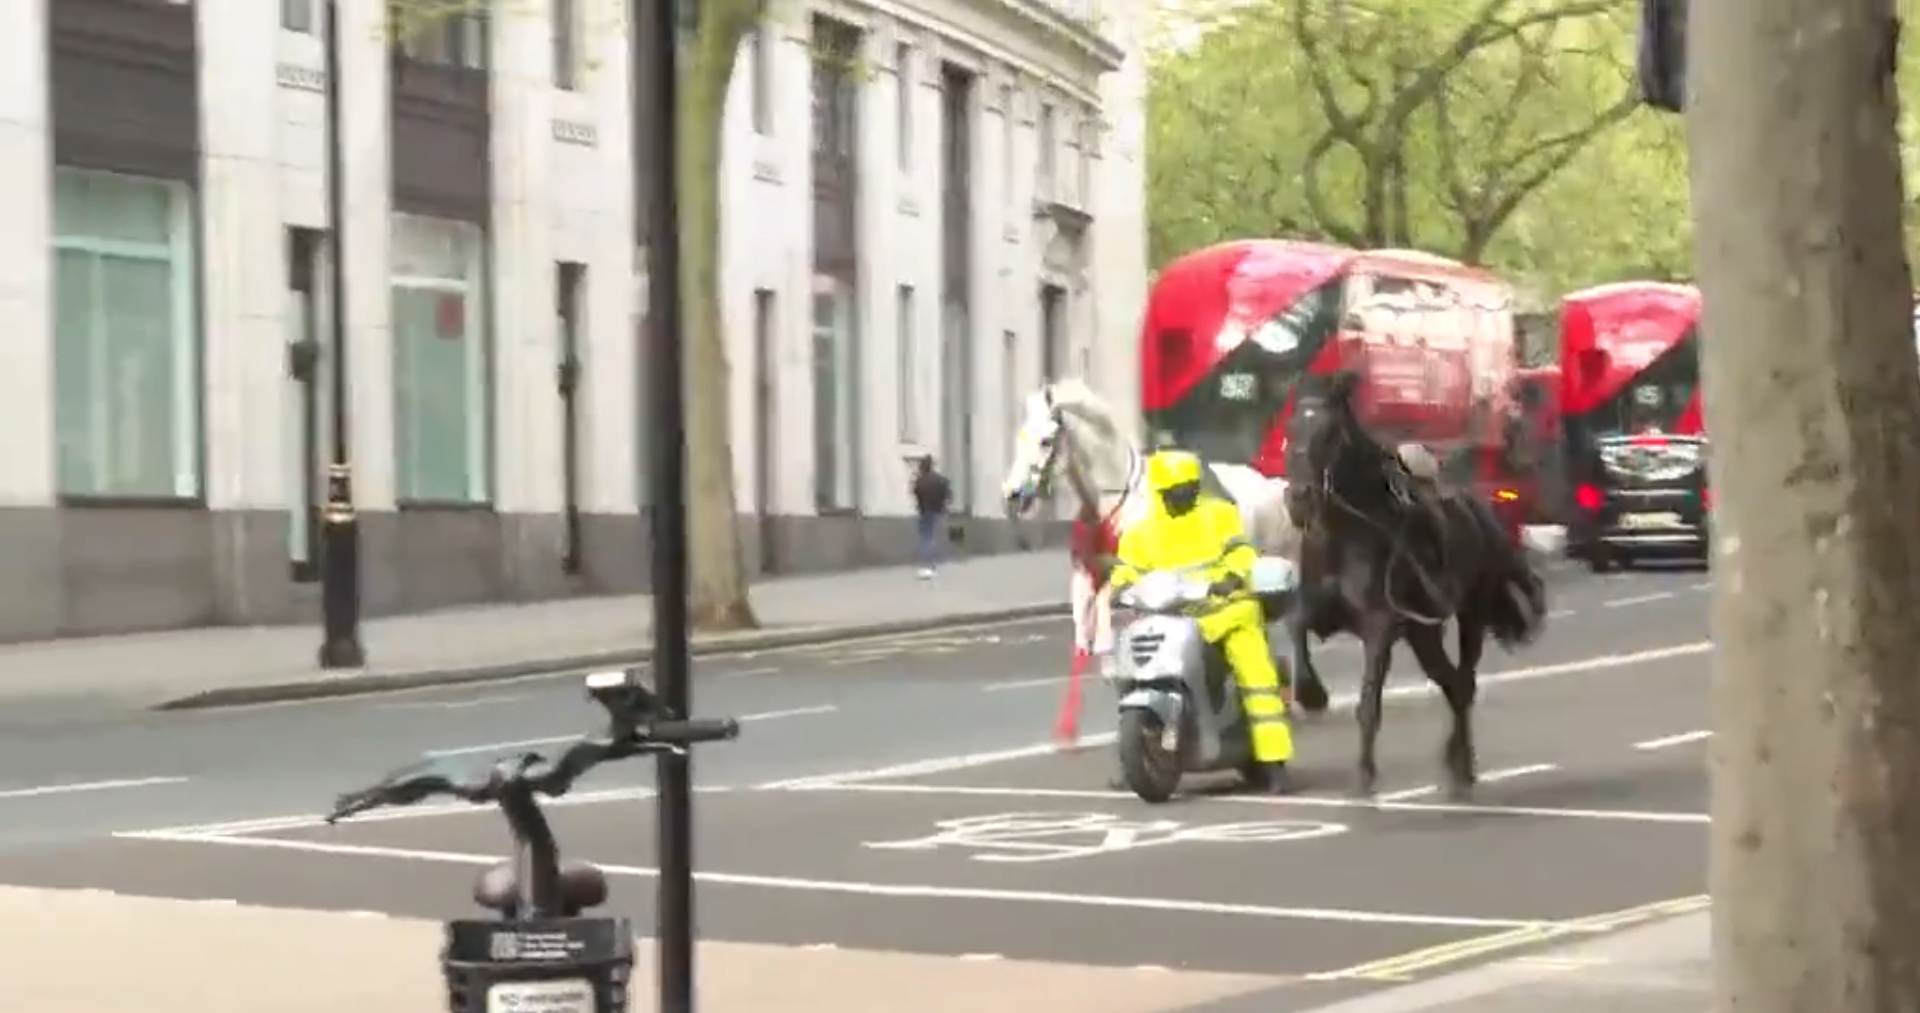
1638 497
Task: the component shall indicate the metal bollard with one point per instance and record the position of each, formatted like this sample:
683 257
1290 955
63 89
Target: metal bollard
558 965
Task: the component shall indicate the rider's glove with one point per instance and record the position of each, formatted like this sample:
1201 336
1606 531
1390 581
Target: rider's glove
1225 585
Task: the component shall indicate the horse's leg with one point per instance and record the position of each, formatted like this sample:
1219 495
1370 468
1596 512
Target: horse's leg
1456 683
1376 639
1473 638
1308 690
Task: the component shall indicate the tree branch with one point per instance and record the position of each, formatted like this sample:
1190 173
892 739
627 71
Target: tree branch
1570 146
1316 199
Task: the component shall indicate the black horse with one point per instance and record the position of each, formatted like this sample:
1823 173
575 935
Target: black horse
1387 556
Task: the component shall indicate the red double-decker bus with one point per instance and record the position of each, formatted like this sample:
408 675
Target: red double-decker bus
1635 439
1230 330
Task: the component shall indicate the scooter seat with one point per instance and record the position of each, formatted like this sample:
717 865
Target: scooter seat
581 886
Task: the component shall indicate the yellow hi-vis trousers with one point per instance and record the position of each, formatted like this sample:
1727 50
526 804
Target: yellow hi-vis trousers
1237 629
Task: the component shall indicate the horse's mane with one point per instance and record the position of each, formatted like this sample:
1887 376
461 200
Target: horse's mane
1073 396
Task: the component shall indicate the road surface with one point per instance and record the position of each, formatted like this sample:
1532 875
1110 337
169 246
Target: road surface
899 795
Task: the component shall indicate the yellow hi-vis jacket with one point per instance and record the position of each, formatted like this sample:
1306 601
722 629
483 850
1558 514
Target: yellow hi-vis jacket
1209 533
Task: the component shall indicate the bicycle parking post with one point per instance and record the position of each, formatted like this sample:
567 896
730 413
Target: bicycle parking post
655 41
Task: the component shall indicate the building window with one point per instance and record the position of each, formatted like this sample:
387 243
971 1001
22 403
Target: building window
1047 145
296 15
440 361
760 64
835 439
126 342
907 381
903 112
566 40
456 39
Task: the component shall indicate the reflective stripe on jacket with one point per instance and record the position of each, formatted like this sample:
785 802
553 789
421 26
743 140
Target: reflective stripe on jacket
1209 533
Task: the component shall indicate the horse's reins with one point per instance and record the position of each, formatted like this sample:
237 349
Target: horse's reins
1397 486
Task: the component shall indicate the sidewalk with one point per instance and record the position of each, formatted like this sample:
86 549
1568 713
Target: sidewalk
218 666
90 951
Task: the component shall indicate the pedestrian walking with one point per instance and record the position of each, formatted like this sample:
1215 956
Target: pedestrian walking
932 495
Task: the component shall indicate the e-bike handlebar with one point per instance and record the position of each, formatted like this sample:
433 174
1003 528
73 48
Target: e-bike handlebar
530 773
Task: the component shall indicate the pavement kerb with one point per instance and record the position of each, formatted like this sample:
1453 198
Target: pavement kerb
369 683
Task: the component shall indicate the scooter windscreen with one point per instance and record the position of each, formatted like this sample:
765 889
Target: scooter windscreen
1164 590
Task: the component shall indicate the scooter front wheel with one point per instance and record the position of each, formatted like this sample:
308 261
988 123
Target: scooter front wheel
1151 770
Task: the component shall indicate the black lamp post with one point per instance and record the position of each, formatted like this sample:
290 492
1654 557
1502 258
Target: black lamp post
655 48
340 544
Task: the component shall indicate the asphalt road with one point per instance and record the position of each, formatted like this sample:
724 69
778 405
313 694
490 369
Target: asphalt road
899 794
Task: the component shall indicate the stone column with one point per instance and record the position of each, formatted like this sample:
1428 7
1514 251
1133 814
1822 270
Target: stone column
527 443
29 542
244 280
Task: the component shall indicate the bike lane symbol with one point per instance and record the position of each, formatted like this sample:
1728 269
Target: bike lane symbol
1055 836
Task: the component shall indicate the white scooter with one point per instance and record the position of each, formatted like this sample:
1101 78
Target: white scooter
1180 709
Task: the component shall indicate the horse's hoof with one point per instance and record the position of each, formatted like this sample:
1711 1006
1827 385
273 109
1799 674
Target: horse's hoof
1460 791
1312 697
1364 788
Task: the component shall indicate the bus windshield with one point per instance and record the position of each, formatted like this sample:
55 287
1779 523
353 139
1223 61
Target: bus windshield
1229 413
1653 400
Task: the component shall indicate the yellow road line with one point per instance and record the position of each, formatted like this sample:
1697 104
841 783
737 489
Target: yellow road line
1404 966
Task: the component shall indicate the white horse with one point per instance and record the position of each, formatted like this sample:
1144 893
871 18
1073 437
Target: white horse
1069 431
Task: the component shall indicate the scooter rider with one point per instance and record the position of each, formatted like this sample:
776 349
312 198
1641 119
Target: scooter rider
1189 529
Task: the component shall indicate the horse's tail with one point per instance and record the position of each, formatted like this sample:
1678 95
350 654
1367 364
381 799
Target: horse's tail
1516 604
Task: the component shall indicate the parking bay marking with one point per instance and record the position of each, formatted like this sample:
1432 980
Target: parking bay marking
1053 836
911 891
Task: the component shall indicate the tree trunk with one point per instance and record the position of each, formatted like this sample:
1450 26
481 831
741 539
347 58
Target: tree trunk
718 578
1814 407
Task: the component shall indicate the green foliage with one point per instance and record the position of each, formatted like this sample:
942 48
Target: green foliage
1498 131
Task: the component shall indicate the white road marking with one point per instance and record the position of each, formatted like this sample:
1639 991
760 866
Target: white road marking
1344 701
1410 793
1673 740
309 820
1050 680
1562 614
450 705
500 747
743 673
82 786
981 956
791 712
1320 801
905 890
1705 585
1510 773
1638 599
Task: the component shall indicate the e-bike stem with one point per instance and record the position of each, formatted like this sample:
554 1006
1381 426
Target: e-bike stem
539 853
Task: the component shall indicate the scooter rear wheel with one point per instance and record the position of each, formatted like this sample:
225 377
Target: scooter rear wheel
1150 769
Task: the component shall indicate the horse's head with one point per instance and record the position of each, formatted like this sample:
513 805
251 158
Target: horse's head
1323 425
1036 453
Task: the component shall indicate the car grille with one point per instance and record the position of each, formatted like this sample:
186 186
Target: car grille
1145 646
